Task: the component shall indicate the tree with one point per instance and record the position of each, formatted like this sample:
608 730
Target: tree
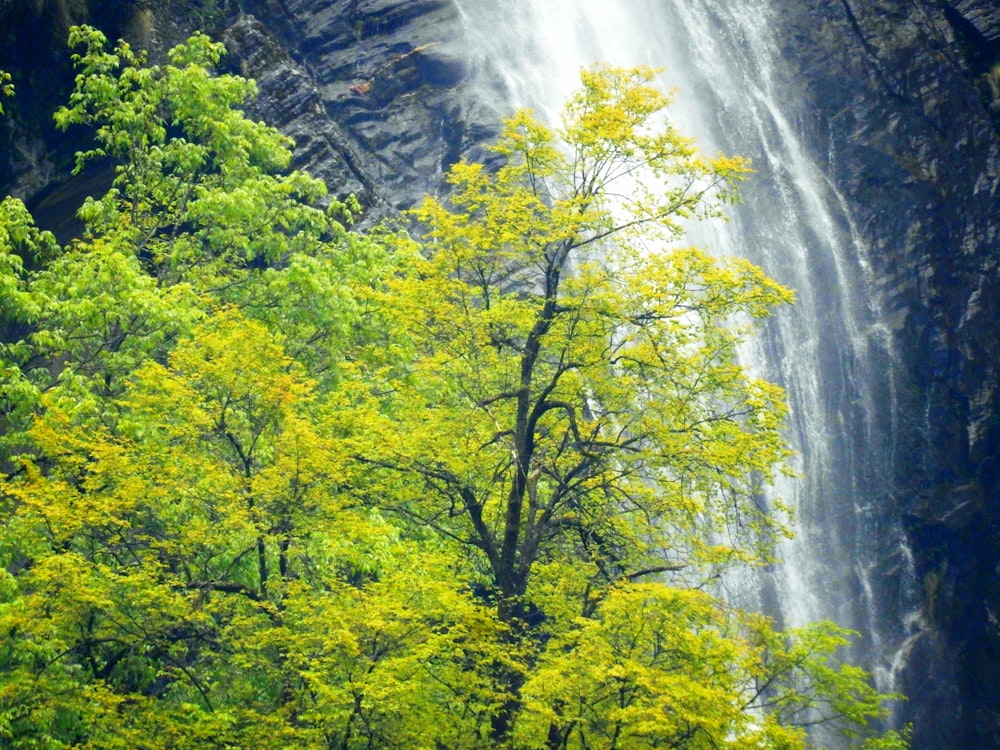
198 190
143 555
199 575
204 198
575 419
203 211
660 666
270 483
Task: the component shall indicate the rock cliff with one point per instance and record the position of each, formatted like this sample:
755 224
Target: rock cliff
905 110
904 103
375 94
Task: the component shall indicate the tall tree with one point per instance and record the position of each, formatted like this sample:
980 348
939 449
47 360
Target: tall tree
574 415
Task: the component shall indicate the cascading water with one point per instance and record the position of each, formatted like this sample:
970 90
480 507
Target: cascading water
830 350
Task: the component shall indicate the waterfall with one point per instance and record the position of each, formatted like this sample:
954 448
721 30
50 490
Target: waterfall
831 350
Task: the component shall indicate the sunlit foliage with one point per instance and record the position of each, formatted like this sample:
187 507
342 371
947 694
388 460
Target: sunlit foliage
268 482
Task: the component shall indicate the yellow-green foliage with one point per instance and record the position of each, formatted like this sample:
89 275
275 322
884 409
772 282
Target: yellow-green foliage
268 483
6 87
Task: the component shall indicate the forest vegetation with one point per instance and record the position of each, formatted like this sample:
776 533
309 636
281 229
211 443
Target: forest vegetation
269 482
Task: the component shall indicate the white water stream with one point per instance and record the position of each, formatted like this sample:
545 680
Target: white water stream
830 350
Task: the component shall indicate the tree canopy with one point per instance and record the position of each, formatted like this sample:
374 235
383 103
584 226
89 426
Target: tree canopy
269 482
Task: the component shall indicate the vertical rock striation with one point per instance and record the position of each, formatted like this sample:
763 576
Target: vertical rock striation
391 75
905 110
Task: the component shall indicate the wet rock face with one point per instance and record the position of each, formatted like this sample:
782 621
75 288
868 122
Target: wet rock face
290 100
373 92
904 103
982 17
392 75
